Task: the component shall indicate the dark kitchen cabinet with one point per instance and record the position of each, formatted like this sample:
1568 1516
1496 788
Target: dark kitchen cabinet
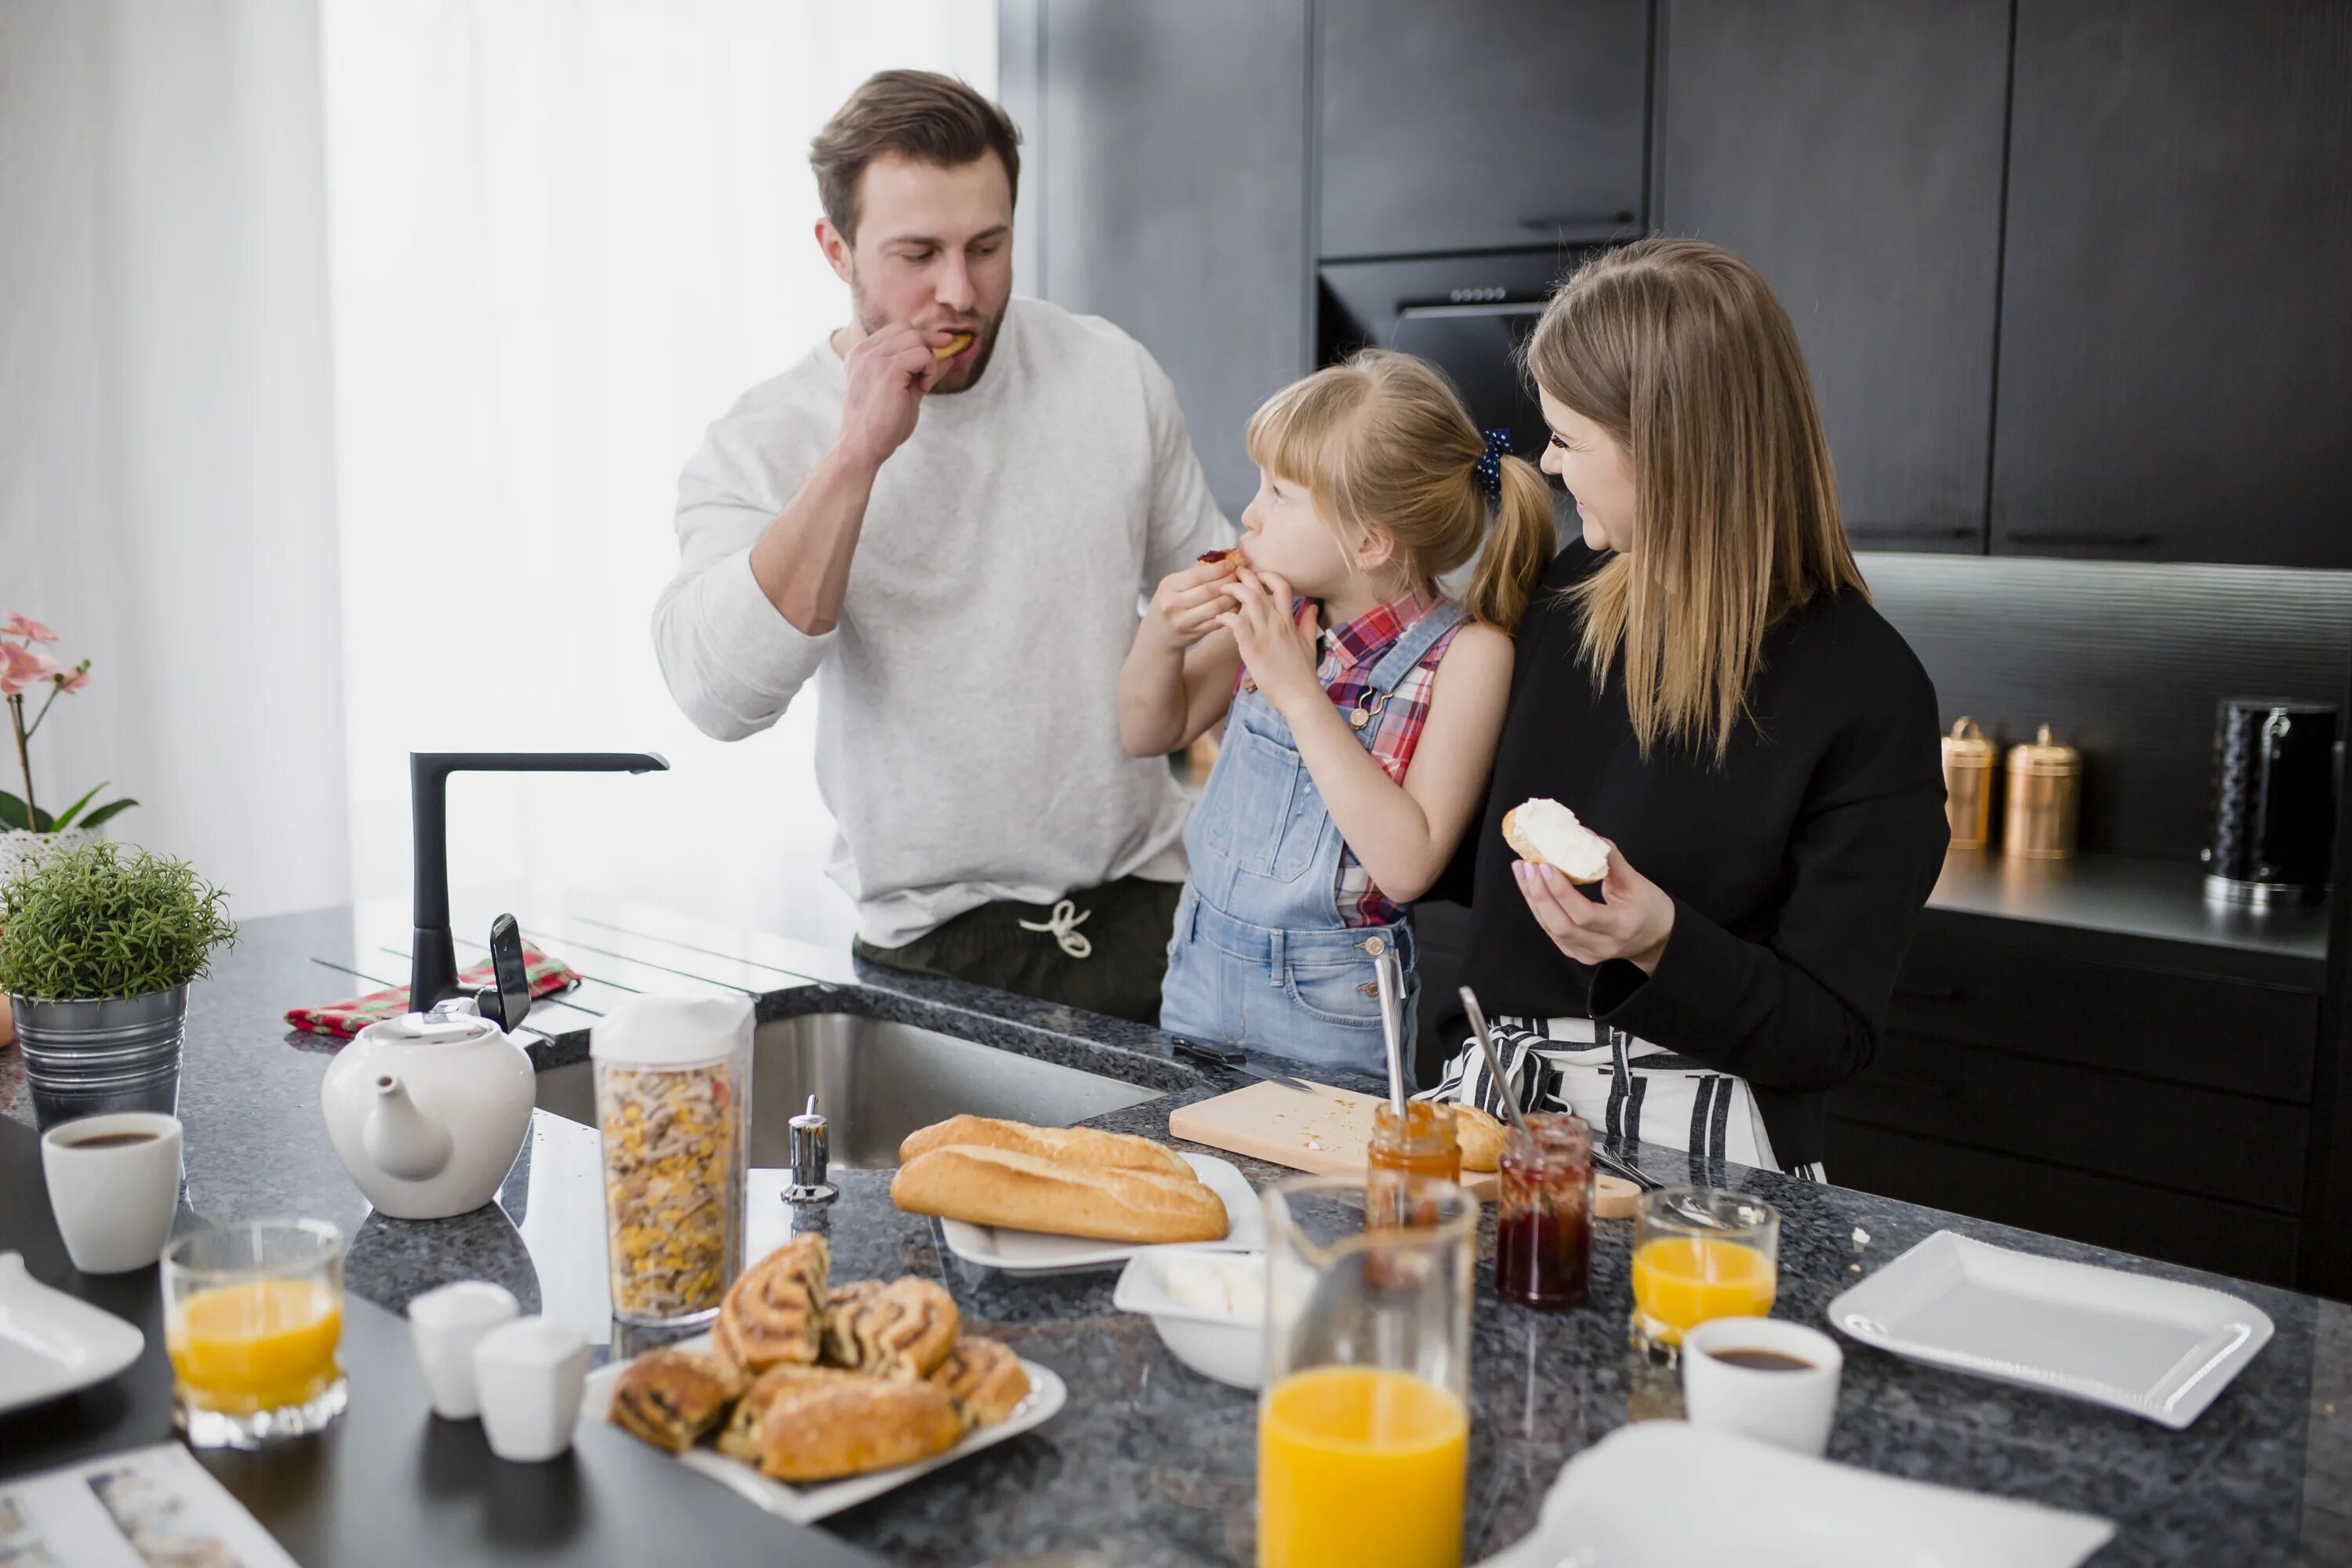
1171 142
1851 151
1478 124
2174 382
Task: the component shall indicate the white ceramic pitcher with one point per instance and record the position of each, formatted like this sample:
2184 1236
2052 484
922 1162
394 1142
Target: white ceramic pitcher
428 1111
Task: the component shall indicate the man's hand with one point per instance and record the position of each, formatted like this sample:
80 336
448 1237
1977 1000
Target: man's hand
1276 634
1185 606
888 374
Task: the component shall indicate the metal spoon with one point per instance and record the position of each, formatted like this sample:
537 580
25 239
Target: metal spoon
1391 975
1494 1064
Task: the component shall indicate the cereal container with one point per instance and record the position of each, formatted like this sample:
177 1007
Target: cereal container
673 1113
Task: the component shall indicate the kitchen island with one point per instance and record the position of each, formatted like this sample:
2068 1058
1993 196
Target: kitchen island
1149 1463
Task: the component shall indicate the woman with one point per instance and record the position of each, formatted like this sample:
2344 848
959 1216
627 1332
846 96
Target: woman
1704 682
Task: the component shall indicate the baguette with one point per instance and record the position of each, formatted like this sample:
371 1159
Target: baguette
1022 1192
1077 1148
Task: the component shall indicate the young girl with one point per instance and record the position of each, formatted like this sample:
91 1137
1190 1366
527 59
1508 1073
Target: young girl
1361 707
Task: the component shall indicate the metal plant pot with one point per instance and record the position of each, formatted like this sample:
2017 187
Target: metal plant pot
87 1058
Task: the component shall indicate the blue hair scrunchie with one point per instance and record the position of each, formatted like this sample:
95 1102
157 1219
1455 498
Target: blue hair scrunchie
1489 471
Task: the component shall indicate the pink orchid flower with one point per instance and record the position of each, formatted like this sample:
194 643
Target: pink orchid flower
31 630
20 666
70 684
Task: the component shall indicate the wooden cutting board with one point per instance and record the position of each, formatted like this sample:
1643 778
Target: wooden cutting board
1325 1132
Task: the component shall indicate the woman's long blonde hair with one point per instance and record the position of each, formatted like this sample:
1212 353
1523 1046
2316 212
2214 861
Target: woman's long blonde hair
1679 349
1383 442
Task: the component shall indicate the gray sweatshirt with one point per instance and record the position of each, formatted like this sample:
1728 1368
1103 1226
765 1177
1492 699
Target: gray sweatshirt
968 740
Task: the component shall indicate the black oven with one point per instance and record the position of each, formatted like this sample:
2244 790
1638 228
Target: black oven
1466 314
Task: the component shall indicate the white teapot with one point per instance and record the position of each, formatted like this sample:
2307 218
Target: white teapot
428 1111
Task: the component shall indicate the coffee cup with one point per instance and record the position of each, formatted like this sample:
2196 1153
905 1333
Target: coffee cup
1763 1378
114 1187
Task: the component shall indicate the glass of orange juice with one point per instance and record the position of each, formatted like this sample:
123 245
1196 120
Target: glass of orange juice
1364 1423
1700 1253
253 1315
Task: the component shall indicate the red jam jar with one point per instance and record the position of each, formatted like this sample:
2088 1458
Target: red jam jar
1543 1255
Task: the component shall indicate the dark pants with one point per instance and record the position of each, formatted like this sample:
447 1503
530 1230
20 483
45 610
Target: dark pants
1126 929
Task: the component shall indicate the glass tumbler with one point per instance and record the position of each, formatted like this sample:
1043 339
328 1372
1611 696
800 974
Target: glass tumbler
1700 1253
1364 1421
253 1318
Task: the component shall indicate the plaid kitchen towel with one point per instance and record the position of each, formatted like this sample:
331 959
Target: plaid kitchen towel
548 975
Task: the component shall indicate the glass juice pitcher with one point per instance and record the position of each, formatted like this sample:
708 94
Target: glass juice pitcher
1364 1422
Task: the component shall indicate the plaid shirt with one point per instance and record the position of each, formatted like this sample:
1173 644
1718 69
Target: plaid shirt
1350 652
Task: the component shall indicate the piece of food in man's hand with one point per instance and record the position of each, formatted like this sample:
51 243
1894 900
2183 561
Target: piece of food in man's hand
671 1397
1546 832
953 347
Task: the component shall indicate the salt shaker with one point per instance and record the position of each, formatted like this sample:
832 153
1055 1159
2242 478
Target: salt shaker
531 1375
445 1326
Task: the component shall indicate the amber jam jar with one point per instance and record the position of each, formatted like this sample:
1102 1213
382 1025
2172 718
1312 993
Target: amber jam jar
1423 1145
1543 1240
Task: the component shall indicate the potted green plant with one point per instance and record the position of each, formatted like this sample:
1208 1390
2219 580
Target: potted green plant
97 948
27 833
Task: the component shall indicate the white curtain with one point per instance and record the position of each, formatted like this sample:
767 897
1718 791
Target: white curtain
166 488
565 234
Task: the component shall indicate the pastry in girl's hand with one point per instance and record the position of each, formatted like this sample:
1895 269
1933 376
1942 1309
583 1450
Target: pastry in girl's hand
902 1329
1232 557
1546 832
774 1313
953 347
671 1397
984 1378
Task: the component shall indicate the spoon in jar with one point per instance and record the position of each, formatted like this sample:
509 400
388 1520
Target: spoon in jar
1494 1064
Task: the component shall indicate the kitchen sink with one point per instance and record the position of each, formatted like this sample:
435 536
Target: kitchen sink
876 1081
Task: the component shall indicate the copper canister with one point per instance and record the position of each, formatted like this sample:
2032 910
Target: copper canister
2046 788
1967 784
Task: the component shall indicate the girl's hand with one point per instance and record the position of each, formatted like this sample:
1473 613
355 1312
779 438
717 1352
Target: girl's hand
1632 924
1276 636
1186 605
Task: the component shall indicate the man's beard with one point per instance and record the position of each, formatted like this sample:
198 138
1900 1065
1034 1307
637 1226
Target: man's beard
964 377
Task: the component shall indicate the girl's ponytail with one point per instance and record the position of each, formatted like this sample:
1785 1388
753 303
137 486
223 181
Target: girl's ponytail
1519 548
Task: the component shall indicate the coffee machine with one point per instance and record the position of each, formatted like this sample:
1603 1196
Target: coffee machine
2273 802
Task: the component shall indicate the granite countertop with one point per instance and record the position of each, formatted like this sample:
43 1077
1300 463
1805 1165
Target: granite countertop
1149 1463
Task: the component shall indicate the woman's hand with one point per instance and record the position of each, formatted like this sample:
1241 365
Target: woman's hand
1276 636
1633 923
1187 605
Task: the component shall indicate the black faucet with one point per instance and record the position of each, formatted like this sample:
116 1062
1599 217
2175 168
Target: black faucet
433 960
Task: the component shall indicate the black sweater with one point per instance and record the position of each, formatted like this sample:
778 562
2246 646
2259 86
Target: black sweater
1798 870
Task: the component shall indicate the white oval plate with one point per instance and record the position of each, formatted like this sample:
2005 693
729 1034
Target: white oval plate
1033 1252
807 1504
53 1343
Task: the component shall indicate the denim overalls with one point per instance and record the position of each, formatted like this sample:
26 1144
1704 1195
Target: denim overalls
1260 956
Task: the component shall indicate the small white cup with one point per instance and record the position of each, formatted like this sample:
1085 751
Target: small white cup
445 1325
114 1186
1790 1408
529 1375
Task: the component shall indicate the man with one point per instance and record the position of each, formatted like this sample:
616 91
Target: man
951 508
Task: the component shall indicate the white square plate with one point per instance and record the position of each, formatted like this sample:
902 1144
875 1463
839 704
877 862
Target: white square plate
2154 1347
1033 1252
52 1343
807 1504
1627 1499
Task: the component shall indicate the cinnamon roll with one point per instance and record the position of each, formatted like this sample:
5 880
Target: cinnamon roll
741 1437
984 1378
901 1331
671 1397
821 1431
774 1314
